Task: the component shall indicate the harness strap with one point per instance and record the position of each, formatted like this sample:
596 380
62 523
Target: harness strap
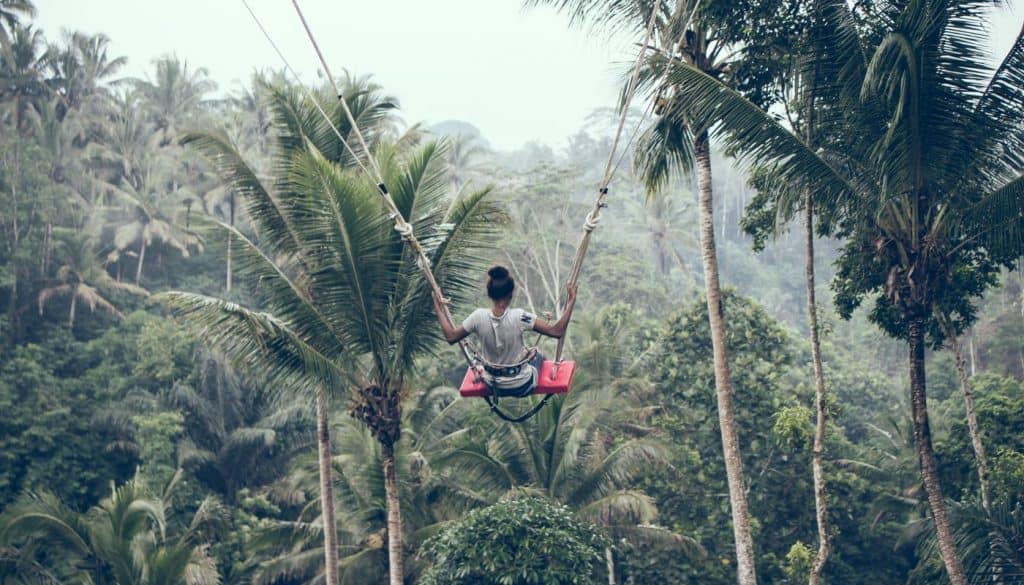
493 403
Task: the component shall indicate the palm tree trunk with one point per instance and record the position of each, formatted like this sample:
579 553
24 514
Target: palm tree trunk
142 258
231 220
926 455
227 285
723 380
972 422
71 314
817 459
974 354
396 570
609 560
323 431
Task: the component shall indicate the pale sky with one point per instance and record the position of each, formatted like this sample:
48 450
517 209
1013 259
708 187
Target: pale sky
516 74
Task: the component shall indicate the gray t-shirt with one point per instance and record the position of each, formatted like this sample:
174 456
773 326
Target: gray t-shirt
501 340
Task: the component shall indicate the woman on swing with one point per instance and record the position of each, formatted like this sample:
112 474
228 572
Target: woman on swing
499 331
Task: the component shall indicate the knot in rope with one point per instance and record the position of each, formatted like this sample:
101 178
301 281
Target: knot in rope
404 229
593 218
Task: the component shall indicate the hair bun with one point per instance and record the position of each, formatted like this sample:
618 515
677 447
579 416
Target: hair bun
498 273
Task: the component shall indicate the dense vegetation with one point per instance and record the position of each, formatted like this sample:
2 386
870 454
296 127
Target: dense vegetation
218 363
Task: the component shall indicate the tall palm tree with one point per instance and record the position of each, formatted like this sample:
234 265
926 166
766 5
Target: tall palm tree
372 315
239 434
919 169
667 222
431 419
154 213
79 69
464 154
674 144
23 84
174 95
82 277
123 142
797 78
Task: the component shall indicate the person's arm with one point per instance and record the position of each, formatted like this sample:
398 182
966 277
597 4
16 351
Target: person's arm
558 329
452 334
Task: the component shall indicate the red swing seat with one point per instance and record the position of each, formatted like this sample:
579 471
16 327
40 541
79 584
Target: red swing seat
545 385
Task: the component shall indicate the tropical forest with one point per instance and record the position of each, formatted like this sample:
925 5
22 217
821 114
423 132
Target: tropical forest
775 282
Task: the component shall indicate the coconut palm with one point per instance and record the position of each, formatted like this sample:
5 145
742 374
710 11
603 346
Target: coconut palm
572 452
918 167
431 419
83 277
79 69
11 12
667 222
124 139
23 61
174 95
675 144
465 152
57 137
334 243
155 214
122 540
239 434
992 541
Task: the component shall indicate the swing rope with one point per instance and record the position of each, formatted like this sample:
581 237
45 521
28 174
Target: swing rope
594 217
405 229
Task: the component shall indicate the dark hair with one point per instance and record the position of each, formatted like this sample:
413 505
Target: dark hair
500 284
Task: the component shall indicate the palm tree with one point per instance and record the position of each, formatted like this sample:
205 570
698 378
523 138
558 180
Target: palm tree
79 69
572 452
174 95
667 222
797 80
239 434
123 143
992 541
154 215
918 168
430 419
11 12
82 277
673 144
23 61
372 316
122 540
464 154
972 420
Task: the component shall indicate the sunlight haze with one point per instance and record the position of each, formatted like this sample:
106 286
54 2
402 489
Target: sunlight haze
517 74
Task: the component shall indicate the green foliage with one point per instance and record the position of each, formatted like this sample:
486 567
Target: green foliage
43 409
90 171
157 434
760 352
516 542
125 539
799 560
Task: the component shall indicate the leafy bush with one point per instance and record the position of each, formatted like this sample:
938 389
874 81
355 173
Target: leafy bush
516 542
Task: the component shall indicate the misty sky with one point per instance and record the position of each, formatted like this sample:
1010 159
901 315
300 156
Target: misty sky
516 74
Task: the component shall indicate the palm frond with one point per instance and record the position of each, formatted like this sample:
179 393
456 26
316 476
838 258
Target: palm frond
267 210
755 135
290 296
620 507
998 221
260 341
